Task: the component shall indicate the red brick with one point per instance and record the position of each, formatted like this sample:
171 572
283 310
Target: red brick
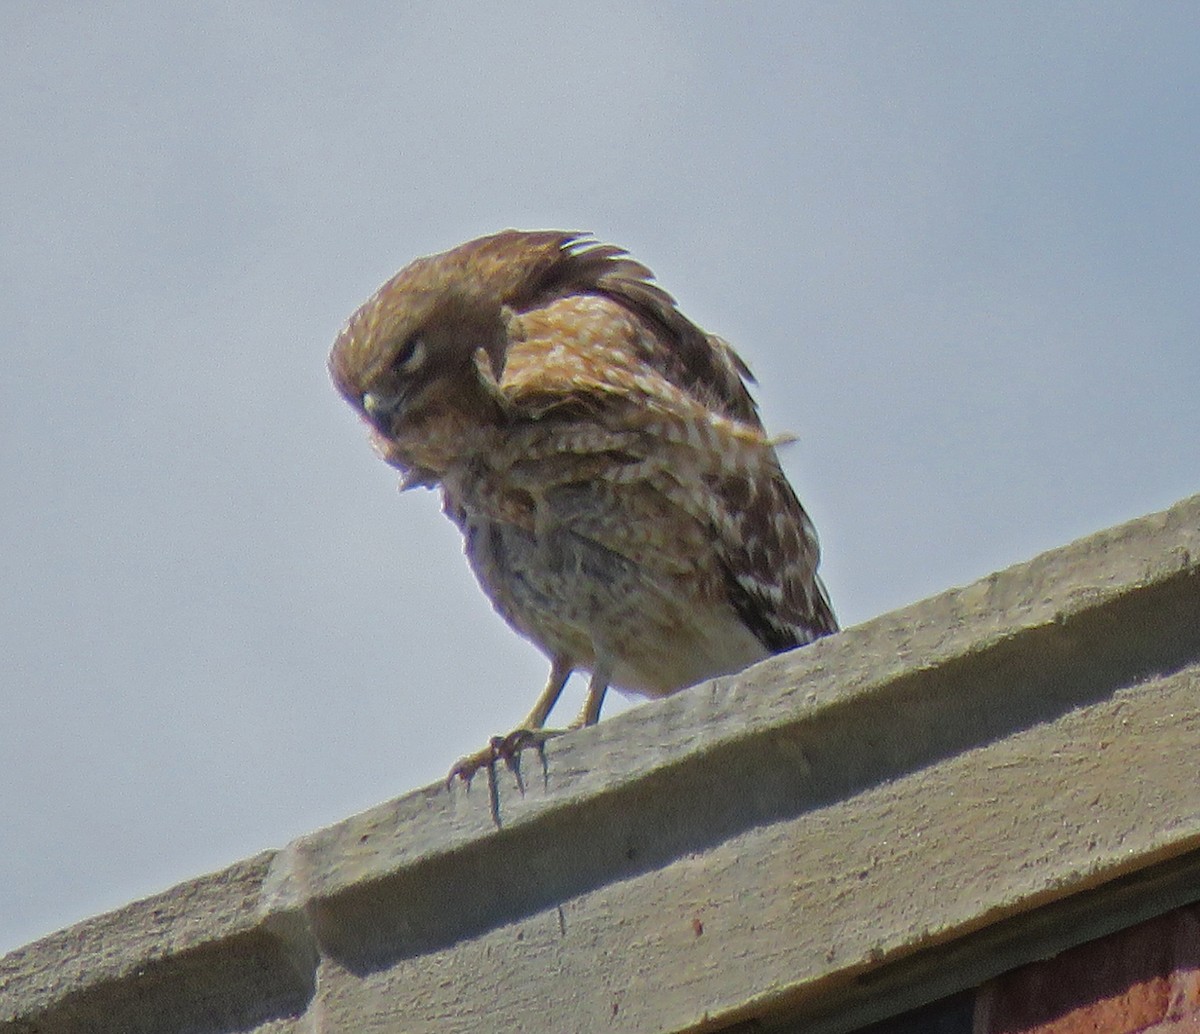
1145 978
1187 1025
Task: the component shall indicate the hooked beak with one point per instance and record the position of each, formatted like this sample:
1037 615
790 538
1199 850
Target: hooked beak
381 410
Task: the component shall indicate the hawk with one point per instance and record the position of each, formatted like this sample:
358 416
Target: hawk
620 502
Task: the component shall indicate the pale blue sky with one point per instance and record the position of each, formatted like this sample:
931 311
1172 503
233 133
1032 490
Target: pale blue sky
959 247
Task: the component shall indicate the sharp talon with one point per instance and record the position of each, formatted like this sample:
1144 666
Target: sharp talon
465 768
503 748
462 771
513 764
493 794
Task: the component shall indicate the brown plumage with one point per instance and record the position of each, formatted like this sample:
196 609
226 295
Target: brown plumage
620 501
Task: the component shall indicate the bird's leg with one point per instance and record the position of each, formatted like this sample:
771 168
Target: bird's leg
597 687
529 733
533 733
560 671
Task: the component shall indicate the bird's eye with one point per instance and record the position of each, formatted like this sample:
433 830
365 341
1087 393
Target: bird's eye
410 356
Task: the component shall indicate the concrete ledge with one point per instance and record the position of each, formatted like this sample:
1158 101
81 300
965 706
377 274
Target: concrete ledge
197 957
889 815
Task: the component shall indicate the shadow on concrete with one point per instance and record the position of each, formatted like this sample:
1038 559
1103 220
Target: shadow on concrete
917 720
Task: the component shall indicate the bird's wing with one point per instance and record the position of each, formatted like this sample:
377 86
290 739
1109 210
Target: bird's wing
769 551
694 488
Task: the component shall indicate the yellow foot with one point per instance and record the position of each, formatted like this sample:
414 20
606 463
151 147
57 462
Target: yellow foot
501 748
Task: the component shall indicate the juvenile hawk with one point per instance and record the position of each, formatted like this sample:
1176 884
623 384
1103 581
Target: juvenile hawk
621 504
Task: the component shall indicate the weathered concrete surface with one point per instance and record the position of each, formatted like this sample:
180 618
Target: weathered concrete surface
197 957
892 814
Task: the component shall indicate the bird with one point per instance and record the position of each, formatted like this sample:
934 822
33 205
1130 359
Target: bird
620 501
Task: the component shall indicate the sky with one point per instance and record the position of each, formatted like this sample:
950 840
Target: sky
958 244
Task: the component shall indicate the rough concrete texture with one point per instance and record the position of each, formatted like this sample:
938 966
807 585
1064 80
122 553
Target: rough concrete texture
888 816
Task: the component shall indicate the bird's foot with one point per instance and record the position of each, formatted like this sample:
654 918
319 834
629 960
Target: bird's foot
502 748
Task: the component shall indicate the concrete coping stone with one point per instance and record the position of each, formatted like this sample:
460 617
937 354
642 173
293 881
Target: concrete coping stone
861 825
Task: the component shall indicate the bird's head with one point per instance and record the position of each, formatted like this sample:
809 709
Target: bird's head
422 360
434 338
412 350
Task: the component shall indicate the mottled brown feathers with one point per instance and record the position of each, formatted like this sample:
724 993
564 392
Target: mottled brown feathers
619 499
